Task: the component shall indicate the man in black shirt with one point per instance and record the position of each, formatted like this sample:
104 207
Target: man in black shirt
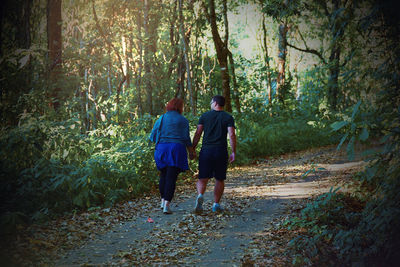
213 158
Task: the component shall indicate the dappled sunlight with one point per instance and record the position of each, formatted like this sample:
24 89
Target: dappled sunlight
289 181
343 166
301 189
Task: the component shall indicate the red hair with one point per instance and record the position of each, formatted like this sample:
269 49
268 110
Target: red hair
175 104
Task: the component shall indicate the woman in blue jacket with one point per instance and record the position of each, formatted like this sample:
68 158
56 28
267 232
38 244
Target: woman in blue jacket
171 135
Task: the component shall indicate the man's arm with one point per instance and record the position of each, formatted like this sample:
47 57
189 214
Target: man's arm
232 141
197 135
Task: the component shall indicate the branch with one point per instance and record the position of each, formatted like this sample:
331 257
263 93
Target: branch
225 22
307 50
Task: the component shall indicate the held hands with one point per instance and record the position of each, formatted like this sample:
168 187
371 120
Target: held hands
192 155
232 157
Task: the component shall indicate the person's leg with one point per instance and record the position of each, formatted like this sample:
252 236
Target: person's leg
201 185
218 190
220 176
161 185
170 184
201 189
205 173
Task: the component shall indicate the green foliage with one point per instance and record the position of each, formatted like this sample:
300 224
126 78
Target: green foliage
319 223
50 167
355 127
261 135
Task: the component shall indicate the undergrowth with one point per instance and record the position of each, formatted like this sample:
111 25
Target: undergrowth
48 168
357 229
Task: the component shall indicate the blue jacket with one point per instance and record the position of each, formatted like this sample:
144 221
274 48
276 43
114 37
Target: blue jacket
174 129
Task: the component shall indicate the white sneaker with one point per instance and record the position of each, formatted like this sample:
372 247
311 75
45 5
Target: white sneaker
167 210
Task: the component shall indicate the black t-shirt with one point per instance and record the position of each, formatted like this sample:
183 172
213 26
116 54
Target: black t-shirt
216 125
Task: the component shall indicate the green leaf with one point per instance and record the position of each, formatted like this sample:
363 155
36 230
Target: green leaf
350 148
65 154
364 134
355 109
341 141
338 125
353 127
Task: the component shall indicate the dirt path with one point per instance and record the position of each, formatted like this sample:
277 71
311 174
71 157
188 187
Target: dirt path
257 198
254 197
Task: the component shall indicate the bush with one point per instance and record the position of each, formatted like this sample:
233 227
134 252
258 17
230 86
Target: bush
260 135
50 167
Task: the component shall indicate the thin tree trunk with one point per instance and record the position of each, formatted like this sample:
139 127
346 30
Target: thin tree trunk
198 63
54 42
222 52
334 71
186 57
334 59
266 59
235 86
282 46
173 40
140 65
147 57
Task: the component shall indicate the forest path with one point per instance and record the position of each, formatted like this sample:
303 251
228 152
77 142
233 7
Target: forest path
255 197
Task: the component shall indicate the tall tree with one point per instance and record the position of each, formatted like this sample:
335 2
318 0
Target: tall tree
151 21
282 52
221 47
185 47
139 68
54 42
266 59
147 56
282 11
335 16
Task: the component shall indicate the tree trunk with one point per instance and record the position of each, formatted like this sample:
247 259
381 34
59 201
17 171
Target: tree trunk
173 40
186 58
222 53
282 47
55 49
266 59
333 80
140 65
26 34
180 80
235 86
334 58
148 57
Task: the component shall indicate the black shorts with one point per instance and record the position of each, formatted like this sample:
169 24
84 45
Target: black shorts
213 162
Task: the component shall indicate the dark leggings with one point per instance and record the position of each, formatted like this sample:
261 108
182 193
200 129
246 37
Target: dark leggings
168 177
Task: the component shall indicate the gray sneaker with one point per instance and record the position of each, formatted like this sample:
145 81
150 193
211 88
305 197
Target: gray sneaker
199 203
167 210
